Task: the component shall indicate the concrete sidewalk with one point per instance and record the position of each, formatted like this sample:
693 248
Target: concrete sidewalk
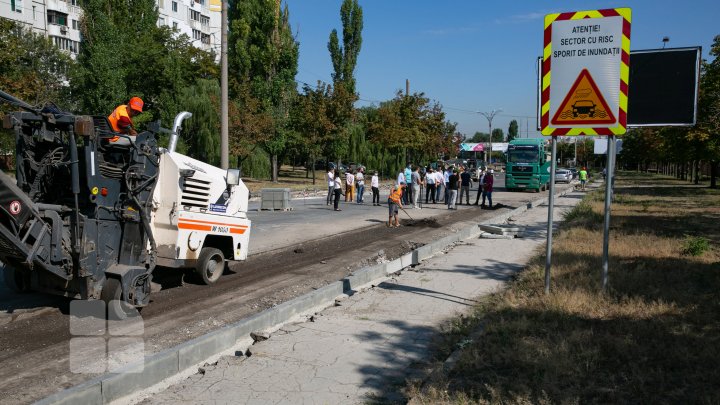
365 348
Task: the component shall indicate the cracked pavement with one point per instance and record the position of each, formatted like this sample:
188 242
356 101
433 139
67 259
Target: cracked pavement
365 349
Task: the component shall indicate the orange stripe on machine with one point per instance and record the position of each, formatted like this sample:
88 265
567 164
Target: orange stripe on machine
220 228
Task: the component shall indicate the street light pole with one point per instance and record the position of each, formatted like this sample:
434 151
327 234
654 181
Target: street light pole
489 117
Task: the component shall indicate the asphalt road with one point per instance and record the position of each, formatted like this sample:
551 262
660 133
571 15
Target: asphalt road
302 250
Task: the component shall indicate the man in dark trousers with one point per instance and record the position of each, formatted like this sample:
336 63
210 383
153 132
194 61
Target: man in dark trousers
480 185
487 188
465 184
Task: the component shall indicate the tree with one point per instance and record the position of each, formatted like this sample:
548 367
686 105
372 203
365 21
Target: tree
310 117
124 53
31 67
480 137
498 135
202 130
708 129
512 130
263 58
344 59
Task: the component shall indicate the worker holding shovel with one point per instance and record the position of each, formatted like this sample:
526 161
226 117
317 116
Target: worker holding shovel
395 202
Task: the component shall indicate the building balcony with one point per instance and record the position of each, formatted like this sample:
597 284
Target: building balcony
58 5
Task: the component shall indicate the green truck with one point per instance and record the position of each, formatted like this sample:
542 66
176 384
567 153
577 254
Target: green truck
528 165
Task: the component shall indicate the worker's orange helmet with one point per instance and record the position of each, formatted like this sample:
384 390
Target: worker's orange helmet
136 104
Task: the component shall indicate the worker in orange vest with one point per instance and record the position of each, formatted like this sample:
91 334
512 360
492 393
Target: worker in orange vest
121 120
395 202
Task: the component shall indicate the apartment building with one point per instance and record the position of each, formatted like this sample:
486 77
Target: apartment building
59 20
198 19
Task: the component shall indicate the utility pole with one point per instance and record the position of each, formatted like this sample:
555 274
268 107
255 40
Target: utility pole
490 117
224 127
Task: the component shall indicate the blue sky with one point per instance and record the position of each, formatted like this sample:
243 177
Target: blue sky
474 55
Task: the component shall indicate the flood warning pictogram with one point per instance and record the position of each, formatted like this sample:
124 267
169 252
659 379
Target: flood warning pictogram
584 104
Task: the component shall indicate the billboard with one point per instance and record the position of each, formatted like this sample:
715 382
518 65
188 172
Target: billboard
664 87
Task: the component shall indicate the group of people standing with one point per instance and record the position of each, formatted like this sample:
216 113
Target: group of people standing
445 184
354 183
450 184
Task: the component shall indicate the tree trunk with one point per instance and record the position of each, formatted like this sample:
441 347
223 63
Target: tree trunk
696 169
713 174
274 168
313 168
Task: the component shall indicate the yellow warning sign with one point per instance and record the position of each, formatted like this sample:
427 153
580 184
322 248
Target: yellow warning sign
584 104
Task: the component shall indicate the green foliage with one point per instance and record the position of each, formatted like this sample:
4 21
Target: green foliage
695 246
498 135
512 130
256 164
201 132
480 137
31 67
583 211
124 54
344 59
263 59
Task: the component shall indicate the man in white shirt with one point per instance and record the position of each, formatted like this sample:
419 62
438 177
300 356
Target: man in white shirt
415 181
331 185
430 182
400 178
375 184
349 186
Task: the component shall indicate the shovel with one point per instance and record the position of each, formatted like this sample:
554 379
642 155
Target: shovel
412 220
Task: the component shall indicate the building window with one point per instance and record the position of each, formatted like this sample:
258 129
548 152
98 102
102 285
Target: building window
175 26
75 24
194 15
161 21
196 34
56 17
161 3
174 6
204 20
16 6
205 39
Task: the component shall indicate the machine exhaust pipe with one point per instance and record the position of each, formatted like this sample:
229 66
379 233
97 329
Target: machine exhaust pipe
176 126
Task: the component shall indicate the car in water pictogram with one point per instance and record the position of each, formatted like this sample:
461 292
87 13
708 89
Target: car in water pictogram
583 107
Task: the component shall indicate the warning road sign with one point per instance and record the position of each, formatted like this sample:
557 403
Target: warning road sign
585 71
584 104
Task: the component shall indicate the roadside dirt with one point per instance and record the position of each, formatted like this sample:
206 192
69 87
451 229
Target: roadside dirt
34 349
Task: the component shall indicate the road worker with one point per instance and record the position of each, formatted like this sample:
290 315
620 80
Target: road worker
121 120
395 202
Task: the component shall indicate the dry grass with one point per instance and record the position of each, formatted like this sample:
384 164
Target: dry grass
653 338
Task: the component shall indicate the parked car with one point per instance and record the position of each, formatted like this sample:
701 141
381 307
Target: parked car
574 172
563 176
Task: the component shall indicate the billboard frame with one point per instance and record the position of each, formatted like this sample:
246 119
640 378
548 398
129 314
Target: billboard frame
698 61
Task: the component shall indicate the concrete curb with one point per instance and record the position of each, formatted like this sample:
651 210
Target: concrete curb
179 359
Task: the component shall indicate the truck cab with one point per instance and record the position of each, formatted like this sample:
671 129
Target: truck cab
528 165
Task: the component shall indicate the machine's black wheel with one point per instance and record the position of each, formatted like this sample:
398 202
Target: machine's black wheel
16 280
210 265
117 309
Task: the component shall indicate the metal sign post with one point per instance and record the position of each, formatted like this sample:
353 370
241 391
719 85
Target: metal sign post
551 207
609 169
